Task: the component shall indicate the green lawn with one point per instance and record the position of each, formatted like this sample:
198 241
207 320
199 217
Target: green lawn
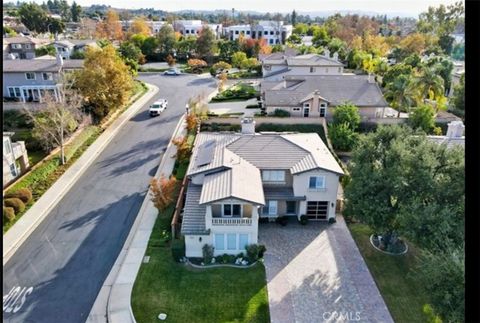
238 92
193 295
401 293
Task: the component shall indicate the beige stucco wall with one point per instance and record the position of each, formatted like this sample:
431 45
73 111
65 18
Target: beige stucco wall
300 188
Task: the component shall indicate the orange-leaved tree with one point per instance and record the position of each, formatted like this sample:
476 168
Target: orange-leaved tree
162 191
192 122
183 148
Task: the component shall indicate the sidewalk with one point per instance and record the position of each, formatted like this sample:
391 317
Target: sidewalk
115 294
21 230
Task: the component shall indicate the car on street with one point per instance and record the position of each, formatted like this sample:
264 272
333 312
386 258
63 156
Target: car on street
172 71
158 107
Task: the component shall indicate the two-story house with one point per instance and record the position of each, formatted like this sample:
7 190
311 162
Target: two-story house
28 80
64 48
276 66
15 158
237 178
24 47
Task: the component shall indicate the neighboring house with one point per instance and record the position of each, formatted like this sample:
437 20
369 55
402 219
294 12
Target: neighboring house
274 32
236 178
454 136
82 44
188 27
29 80
155 26
276 66
307 40
316 96
15 158
64 48
24 47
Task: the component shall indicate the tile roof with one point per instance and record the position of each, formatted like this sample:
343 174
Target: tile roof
335 88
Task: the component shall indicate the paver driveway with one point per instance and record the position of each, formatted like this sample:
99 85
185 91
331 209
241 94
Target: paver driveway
315 273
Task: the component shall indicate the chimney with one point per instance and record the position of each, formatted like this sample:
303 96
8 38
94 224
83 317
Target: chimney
59 60
335 56
455 129
326 53
248 126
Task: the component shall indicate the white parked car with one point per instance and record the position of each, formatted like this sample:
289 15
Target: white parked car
172 71
158 107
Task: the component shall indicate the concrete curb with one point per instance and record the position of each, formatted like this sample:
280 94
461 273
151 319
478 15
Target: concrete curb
119 284
21 230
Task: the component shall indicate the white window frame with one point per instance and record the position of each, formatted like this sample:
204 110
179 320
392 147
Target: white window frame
49 76
274 176
317 182
11 92
34 76
16 46
231 209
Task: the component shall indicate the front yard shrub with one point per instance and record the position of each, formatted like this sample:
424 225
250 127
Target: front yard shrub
282 220
281 113
23 194
178 249
303 219
227 259
207 252
15 203
331 220
8 214
255 251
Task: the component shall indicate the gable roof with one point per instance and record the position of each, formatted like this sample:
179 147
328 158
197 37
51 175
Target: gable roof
40 64
26 40
334 88
313 60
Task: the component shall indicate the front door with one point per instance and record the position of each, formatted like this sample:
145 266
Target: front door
306 112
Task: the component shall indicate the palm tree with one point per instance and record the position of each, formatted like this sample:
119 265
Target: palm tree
429 85
400 93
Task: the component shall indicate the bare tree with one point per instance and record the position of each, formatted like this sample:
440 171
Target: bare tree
57 118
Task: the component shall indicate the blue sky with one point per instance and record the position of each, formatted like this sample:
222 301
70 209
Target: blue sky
413 7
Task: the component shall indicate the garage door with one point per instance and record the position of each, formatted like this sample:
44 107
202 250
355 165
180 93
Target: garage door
317 210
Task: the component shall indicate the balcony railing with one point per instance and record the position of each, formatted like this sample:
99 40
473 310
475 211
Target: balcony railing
232 221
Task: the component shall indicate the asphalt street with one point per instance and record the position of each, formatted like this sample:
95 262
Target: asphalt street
62 265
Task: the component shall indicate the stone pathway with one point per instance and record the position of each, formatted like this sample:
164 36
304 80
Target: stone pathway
315 273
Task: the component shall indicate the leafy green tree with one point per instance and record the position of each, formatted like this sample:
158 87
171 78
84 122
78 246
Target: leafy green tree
149 47
459 94
458 52
443 66
186 46
238 59
342 136
227 48
46 50
294 39
300 29
294 17
206 42
166 39
75 12
221 66
395 71
9 31
347 113
428 85
413 60
336 45
442 275
33 17
423 117
399 93
128 50
76 54
320 36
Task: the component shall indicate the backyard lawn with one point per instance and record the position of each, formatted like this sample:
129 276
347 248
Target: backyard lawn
401 293
193 295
